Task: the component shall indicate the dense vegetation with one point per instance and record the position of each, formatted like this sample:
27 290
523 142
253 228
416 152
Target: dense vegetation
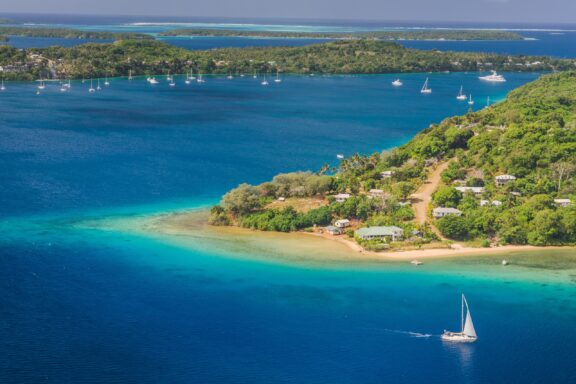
66 33
532 136
354 56
378 35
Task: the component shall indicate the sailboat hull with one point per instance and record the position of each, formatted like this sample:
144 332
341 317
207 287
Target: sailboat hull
458 337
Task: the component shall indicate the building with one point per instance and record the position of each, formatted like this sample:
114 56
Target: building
441 212
387 174
562 202
377 193
334 231
474 190
380 233
484 203
341 197
504 179
342 223
281 198
496 203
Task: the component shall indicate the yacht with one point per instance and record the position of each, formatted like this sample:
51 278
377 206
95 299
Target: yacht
2 87
467 333
98 87
230 77
264 82
470 101
277 79
152 80
461 95
425 88
493 78
106 82
91 90
339 156
255 75
200 79
130 74
397 83
42 85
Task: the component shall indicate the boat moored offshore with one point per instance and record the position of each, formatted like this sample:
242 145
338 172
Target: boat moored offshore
467 333
493 78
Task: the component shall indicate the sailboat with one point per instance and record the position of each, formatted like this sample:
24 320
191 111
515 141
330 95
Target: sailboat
230 77
255 76
461 95
425 88
200 79
98 87
488 101
468 333
470 101
277 79
42 85
130 74
106 82
91 90
397 83
2 87
264 82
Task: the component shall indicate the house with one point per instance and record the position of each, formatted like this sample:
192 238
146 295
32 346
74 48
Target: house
562 202
484 203
381 233
341 197
441 212
334 231
474 190
496 203
404 203
342 223
387 174
377 193
281 198
515 193
504 179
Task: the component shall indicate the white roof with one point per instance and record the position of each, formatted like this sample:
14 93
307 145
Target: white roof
342 196
446 210
470 189
376 191
560 201
343 221
505 177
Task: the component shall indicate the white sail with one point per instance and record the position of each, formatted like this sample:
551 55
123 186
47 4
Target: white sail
468 325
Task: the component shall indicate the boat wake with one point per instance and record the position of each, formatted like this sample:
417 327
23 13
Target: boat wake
408 333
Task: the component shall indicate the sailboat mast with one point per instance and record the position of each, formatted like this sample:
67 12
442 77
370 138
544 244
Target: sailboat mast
462 318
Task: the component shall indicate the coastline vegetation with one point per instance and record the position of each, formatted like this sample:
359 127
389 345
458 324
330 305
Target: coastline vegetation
149 57
531 136
376 35
66 33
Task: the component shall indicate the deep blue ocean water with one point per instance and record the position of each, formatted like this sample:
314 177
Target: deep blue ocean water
80 304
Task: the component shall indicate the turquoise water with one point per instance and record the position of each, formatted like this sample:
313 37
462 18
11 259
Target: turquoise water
99 304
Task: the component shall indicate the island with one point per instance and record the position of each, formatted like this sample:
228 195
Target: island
149 57
376 35
66 33
501 176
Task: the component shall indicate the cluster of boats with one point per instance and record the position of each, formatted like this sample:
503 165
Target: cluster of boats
492 78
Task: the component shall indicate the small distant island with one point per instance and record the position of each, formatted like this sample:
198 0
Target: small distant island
149 57
66 33
505 175
376 35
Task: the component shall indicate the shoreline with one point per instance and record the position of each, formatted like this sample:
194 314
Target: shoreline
185 227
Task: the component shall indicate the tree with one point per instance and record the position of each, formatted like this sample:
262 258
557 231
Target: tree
242 200
562 170
447 197
454 227
404 188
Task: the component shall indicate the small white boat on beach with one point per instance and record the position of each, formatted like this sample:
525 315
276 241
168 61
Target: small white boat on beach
416 262
461 95
467 333
493 78
397 83
425 89
505 262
